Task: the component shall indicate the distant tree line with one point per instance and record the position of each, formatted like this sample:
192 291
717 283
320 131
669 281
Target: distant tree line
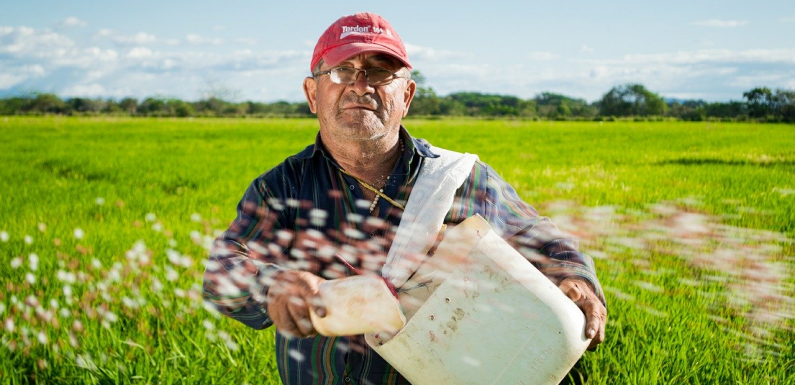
629 101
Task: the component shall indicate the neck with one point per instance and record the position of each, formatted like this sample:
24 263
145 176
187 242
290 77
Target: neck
371 161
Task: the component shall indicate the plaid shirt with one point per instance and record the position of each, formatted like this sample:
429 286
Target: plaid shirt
301 213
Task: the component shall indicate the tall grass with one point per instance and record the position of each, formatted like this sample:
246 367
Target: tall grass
106 223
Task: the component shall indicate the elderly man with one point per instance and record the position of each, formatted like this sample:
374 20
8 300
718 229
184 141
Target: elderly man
345 194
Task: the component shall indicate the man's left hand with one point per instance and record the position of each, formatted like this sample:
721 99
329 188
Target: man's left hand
585 298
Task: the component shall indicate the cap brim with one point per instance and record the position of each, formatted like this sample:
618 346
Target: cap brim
340 53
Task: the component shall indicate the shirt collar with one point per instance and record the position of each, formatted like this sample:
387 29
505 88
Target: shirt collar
422 147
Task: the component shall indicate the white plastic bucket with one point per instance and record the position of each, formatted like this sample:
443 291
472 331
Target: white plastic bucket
357 305
494 319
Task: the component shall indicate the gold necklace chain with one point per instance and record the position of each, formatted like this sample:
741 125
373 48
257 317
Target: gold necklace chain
378 192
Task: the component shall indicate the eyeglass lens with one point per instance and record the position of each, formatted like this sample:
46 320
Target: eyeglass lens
348 75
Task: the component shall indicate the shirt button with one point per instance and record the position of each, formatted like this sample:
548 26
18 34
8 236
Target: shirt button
352 187
347 379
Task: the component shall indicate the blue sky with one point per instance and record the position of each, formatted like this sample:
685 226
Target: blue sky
260 50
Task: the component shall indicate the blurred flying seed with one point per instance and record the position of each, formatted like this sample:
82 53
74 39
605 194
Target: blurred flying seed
28 239
296 355
79 233
100 201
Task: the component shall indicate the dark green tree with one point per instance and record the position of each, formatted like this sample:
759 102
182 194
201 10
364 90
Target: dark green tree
760 102
631 100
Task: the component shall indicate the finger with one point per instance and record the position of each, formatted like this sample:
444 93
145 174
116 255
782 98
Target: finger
595 322
592 324
299 312
310 290
284 322
281 317
571 290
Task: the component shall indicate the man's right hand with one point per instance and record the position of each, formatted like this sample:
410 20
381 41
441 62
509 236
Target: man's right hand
289 298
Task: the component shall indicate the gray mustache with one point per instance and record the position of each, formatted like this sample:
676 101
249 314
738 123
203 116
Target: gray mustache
362 100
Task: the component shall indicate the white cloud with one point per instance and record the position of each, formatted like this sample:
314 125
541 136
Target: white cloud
201 40
42 60
73 22
8 80
720 23
111 66
246 41
543 56
137 39
420 53
28 41
139 52
788 19
85 90
783 55
140 38
586 49
710 74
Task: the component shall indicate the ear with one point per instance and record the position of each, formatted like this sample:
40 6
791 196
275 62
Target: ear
408 95
310 91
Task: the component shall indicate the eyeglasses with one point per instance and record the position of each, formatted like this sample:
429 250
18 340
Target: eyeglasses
347 75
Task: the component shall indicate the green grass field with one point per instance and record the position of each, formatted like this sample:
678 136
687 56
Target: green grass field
105 222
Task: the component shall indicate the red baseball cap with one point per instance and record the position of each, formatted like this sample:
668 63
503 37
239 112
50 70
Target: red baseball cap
355 34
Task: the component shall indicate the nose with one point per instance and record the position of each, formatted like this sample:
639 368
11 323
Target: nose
360 85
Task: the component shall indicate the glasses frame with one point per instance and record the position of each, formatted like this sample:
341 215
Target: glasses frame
394 75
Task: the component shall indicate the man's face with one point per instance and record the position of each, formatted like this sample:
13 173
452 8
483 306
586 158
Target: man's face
359 112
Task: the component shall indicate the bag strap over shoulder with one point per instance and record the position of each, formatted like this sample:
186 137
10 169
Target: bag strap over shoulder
428 204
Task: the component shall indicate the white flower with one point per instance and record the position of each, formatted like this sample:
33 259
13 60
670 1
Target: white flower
208 325
157 227
150 217
111 317
100 201
96 263
79 233
33 260
9 324
156 285
3 236
67 291
196 217
2 308
171 274
28 239
16 263
42 338
30 278
42 227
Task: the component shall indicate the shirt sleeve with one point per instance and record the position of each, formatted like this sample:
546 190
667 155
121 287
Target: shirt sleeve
537 238
243 259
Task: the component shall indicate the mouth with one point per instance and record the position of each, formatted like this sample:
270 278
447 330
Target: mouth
359 106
